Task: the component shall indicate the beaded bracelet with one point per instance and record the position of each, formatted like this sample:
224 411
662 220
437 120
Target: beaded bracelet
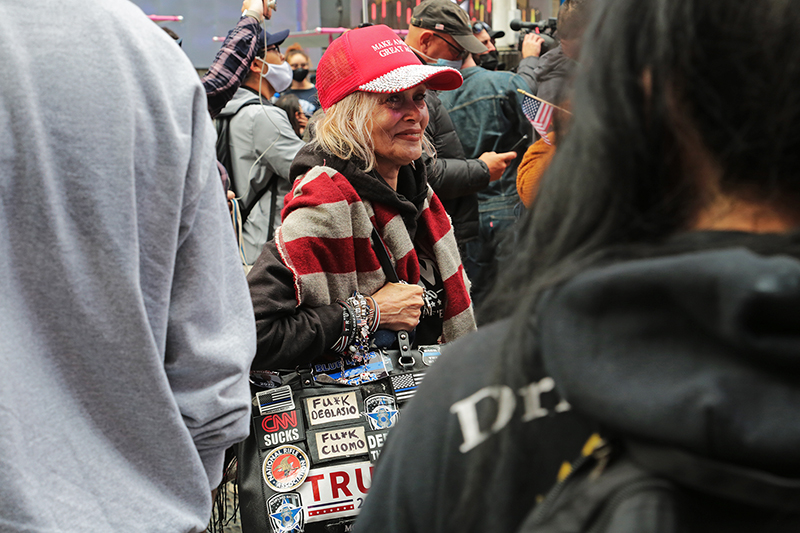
359 321
359 346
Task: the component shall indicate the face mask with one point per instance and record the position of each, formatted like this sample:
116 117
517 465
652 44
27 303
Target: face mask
456 64
490 61
279 76
452 63
300 74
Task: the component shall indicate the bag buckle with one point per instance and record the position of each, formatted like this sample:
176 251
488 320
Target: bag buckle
406 359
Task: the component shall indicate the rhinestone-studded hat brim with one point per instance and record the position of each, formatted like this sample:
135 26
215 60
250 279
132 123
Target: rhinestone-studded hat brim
408 76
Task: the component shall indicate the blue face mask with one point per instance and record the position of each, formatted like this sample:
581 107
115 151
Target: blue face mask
452 63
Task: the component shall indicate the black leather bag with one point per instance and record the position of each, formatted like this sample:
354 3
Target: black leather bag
307 465
308 461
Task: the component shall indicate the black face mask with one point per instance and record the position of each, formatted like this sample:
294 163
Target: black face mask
300 74
490 61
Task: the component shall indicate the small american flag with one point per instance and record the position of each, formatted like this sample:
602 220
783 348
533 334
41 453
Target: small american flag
540 115
405 385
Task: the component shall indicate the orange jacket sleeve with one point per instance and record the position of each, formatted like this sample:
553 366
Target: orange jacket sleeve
535 161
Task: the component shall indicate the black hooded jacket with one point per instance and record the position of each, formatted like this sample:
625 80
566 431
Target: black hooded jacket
694 343
696 350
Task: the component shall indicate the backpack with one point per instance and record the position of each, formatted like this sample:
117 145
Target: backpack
222 123
632 487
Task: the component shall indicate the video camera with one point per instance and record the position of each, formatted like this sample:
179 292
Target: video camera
546 30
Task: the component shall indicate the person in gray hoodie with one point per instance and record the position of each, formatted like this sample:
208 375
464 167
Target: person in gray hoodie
127 324
262 144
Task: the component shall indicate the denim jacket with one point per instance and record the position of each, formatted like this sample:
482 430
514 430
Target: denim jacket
488 118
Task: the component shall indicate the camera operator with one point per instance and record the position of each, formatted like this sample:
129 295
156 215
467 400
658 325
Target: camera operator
557 66
531 50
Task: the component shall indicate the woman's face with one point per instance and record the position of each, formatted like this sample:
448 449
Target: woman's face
398 125
298 61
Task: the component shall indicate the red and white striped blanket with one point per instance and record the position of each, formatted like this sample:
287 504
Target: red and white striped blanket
325 241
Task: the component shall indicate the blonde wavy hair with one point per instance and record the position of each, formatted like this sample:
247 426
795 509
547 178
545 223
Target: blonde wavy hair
345 129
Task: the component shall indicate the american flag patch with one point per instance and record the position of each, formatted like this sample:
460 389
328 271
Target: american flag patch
275 400
332 507
405 385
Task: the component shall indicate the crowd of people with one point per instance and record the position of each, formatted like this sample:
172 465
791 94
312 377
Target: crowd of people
478 130
633 276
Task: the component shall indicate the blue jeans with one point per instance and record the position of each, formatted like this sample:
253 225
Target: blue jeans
495 244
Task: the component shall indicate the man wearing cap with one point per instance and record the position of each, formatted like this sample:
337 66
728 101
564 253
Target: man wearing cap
262 144
486 35
231 64
488 117
440 34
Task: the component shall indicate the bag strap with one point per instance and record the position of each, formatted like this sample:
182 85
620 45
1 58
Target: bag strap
383 257
406 360
272 205
733 482
273 181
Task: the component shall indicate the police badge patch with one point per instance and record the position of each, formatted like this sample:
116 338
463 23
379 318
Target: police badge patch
286 513
381 411
285 468
430 354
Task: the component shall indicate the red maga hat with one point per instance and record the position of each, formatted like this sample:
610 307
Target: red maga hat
375 60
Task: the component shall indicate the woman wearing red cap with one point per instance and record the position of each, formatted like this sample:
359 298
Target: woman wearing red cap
318 289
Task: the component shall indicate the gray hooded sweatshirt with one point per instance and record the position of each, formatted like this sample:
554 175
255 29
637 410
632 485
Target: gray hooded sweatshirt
263 145
127 329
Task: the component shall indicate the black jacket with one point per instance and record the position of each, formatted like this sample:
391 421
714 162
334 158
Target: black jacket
706 344
694 343
455 179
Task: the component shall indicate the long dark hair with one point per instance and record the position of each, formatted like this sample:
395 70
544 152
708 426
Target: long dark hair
654 74
290 103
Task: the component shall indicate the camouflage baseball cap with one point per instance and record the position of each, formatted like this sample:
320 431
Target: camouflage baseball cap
447 17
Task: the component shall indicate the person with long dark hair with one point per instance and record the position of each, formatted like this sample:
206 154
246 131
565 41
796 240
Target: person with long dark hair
291 105
656 294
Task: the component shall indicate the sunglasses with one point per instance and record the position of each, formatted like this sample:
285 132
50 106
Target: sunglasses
480 26
461 53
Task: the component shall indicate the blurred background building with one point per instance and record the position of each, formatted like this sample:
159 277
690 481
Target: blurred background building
205 20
